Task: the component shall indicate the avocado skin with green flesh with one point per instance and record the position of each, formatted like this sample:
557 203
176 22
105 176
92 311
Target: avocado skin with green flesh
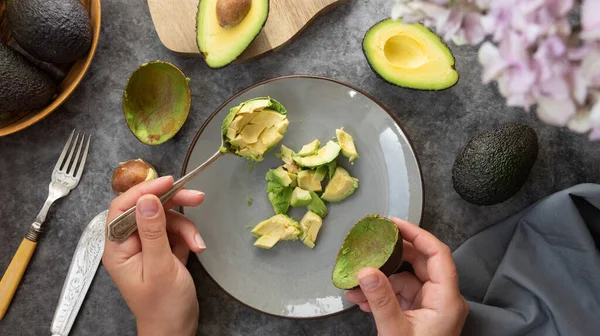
23 87
359 245
495 164
55 31
383 76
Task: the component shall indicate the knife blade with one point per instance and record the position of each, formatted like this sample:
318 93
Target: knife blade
84 264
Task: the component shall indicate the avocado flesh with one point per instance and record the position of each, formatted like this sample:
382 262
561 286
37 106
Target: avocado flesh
310 224
307 180
340 186
277 228
221 46
279 176
409 55
331 166
289 164
23 87
254 127
300 197
347 143
495 164
317 205
310 148
372 242
279 196
55 31
323 156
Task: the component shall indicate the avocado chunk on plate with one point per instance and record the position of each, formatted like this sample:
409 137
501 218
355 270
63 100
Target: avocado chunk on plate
409 55
300 197
274 229
310 148
309 180
341 186
317 205
310 224
280 176
223 42
279 196
372 242
323 156
347 143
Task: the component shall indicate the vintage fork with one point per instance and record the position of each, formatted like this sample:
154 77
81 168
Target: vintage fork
65 177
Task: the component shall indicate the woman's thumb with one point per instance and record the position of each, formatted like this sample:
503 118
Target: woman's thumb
385 307
152 229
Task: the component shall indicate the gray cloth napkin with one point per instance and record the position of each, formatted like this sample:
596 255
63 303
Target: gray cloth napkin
537 272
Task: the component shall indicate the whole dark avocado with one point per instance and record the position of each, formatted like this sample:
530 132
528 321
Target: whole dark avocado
23 87
495 164
55 31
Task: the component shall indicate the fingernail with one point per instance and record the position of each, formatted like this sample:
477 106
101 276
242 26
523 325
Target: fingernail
197 192
199 241
148 207
164 178
369 281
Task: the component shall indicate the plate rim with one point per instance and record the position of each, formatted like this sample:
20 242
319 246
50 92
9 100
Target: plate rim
274 79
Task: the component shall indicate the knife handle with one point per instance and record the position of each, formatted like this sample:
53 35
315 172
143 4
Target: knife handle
12 277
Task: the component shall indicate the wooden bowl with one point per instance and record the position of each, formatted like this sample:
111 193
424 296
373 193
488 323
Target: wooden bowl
74 71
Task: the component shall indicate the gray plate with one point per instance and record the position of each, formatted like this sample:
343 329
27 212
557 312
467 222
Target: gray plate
291 280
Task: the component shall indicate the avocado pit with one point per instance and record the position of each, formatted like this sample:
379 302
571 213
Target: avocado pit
231 12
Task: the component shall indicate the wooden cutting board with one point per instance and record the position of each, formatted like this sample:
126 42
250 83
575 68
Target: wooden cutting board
175 23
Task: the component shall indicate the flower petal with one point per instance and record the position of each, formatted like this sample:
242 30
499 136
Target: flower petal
492 61
555 112
590 17
580 122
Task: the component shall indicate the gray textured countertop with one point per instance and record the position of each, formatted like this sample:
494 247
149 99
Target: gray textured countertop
439 123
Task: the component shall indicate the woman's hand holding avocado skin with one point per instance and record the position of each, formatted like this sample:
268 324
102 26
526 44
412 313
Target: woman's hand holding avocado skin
428 304
149 266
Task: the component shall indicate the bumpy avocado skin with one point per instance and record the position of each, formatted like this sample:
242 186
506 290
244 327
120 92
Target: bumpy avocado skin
495 164
55 31
23 87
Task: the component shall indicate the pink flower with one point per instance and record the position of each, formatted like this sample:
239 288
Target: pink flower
590 19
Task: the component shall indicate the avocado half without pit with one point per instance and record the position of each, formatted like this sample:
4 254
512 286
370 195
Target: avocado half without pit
156 102
225 28
409 55
254 127
372 242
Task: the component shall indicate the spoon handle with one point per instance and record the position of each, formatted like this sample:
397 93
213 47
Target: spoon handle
124 225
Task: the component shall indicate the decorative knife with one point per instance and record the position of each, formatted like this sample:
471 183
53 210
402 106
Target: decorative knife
86 259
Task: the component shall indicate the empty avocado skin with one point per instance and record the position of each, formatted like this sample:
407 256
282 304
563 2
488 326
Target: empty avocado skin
23 87
55 31
361 236
395 75
495 164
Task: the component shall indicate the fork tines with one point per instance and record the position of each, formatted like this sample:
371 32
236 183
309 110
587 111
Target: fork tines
70 164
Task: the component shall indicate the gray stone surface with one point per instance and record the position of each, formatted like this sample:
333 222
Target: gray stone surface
439 123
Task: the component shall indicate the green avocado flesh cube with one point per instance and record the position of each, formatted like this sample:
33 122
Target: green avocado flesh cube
220 45
317 205
274 229
323 156
310 148
341 186
310 224
409 55
280 176
279 196
308 180
300 197
370 243
347 143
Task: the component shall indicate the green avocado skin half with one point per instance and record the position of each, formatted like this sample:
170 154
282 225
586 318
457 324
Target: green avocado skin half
495 164
55 31
23 87
373 241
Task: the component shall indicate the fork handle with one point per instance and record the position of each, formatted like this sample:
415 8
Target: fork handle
12 277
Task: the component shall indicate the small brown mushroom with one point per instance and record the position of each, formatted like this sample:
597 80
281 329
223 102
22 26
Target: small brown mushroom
131 173
231 12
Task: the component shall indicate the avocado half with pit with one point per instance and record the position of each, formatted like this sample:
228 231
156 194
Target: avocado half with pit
372 242
225 28
156 102
254 127
409 55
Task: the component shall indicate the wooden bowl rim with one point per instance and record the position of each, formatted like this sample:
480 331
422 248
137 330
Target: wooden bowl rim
34 117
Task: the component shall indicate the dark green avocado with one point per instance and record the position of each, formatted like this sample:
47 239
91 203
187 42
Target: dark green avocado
495 164
55 31
23 87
